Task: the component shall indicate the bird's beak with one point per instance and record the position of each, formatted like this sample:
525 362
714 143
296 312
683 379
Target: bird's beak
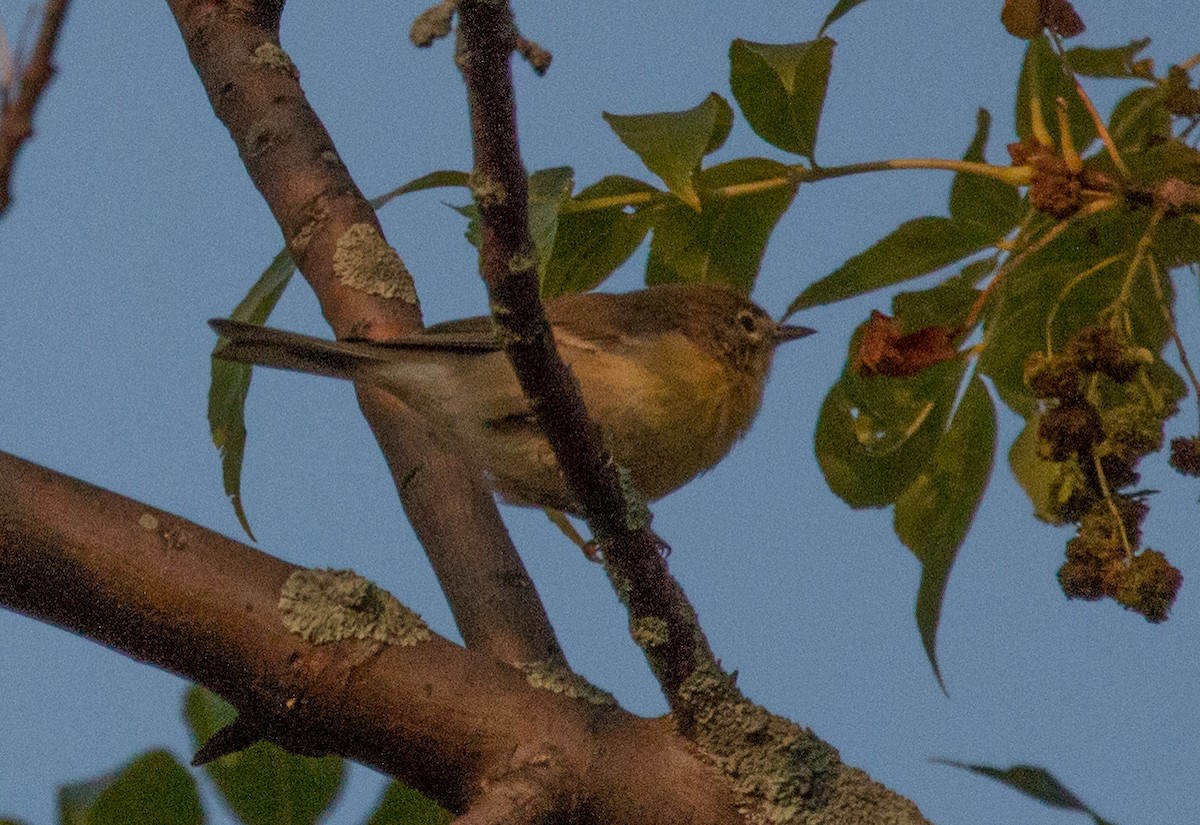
790 332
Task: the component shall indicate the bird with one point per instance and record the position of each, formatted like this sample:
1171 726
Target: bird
673 374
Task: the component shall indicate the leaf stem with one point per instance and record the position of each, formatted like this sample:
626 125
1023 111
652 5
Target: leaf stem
1169 317
1101 129
1112 505
1013 175
1139 253
1066 290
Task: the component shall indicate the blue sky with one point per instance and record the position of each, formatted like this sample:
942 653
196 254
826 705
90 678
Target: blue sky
134 222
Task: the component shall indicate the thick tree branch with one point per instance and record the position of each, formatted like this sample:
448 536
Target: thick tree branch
334 237
456 724
487 38
22 91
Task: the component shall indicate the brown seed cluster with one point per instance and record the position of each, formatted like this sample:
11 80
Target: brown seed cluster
1096 423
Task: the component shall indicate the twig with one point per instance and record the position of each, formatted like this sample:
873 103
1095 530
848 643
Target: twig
16 112
1169 318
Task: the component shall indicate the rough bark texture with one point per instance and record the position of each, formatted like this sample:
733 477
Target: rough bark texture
333 236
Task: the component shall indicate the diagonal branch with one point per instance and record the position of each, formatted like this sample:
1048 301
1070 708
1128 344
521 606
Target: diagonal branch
487 38
456 724
334 237
22 91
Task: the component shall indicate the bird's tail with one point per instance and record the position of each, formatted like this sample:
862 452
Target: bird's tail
254 344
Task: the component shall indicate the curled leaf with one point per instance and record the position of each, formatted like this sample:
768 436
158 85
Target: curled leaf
884 350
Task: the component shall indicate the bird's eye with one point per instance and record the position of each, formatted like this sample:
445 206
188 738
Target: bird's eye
748 321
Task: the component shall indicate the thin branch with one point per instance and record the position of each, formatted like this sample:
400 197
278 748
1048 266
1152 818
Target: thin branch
333 235
487 38
19 98
1168 313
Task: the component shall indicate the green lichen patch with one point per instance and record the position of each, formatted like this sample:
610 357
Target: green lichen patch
780 771
432 24
649 631
270 56
554 675
331 605
637 514
364 261
486 190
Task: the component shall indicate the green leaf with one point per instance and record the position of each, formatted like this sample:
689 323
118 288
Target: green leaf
839 11
1061 288
230 383
946 304
935 512
1116 61
1048 484
875 435
1177 243
1140 119
781 89
264 784
1173 159
152 789
672 144
983 211
597 232
742 200
75 800
1033 781
401 805
1043 76
991 204
548 190
914 248
434 180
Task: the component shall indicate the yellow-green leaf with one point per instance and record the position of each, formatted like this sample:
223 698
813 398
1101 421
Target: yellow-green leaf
672 144
1035 782
724 242
598 230
152 789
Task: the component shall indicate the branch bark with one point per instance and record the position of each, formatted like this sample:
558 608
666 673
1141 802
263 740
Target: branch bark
454 723
487 39
334 237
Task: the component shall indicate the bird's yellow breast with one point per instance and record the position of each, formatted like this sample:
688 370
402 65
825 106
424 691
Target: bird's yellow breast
669 414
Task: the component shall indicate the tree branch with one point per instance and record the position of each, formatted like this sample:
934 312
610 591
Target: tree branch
487 38
20 95
456 724
364 290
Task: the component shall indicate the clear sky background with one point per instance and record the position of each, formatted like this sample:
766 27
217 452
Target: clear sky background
134 222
